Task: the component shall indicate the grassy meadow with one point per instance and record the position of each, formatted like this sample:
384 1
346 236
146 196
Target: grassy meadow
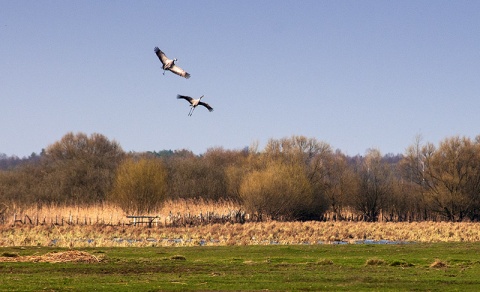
401 267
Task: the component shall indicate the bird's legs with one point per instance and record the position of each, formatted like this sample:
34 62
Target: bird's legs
191 111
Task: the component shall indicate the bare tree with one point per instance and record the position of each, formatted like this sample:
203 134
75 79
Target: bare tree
375 185
341 184
80 169
452 176
314 156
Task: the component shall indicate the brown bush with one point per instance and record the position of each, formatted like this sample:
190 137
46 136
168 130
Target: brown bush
280 191
140 185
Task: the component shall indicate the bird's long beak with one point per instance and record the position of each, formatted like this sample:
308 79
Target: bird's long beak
201 97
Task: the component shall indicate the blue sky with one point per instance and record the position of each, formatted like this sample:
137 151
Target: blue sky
354 74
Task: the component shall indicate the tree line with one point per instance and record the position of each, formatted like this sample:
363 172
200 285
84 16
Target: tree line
292 178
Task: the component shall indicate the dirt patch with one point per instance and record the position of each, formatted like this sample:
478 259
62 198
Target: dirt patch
54 257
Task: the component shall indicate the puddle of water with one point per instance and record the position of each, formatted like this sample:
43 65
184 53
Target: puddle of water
204 242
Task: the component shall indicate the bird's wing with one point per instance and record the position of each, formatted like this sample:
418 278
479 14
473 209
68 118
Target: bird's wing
179 71
161 55
206 105
188 98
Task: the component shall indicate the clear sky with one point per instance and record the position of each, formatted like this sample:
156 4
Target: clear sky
354 74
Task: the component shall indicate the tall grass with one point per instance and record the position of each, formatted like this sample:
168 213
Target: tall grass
111 214
259 233
107 225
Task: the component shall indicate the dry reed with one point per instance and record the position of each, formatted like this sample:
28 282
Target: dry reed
107 225
55 257
262 233
113 215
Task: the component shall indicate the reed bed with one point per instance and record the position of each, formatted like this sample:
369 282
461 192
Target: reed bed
110 214
262 233
108 225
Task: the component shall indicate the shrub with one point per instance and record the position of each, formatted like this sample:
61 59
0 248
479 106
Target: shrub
140 185
280 191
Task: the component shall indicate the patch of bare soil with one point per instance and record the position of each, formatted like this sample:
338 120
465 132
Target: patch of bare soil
54 257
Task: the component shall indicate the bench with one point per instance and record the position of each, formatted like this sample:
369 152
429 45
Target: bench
140 220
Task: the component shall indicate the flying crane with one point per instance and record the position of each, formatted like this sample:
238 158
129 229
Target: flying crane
170 64
194 103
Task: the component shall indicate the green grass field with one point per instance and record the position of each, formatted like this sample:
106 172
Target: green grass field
417 267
